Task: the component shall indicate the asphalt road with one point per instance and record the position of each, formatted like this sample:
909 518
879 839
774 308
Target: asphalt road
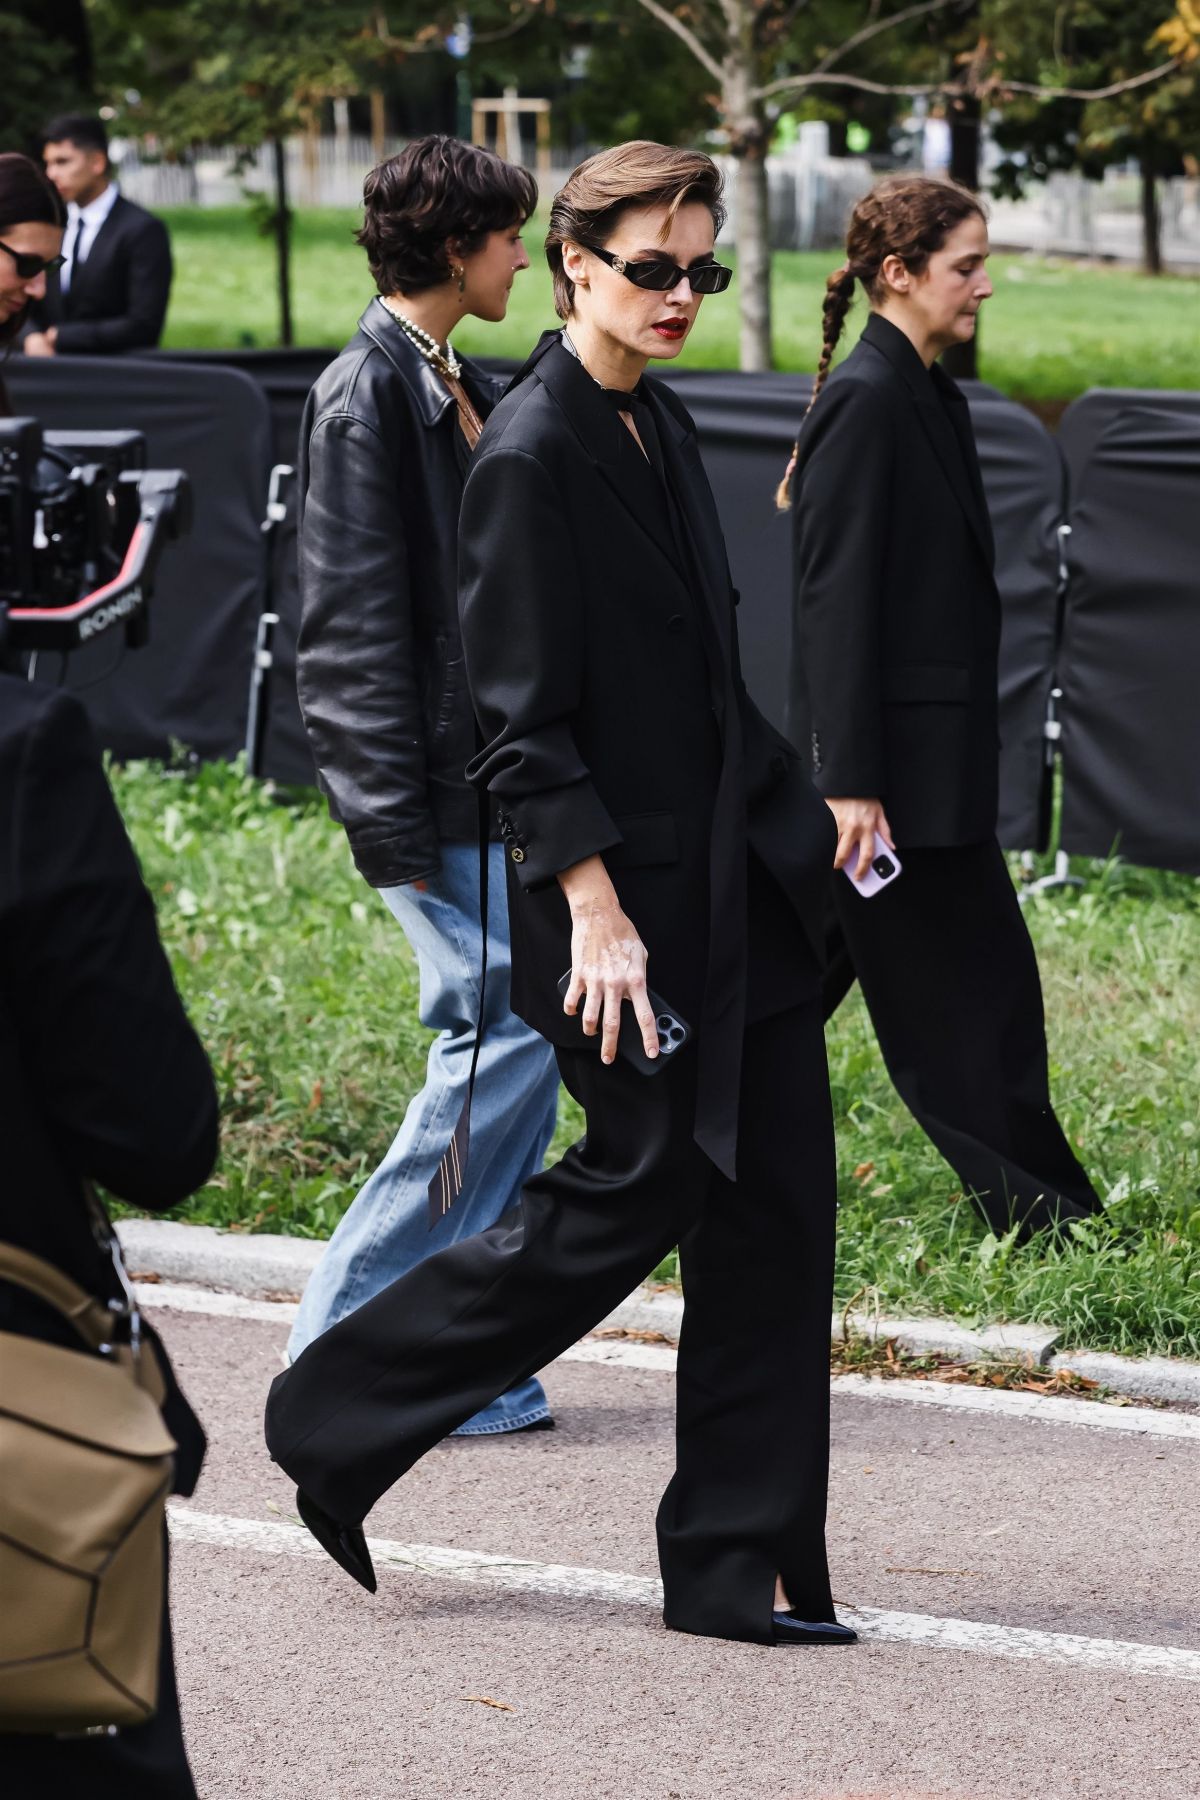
1031 1591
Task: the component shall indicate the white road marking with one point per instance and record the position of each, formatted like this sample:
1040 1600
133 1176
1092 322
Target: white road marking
521 1575
1042 1409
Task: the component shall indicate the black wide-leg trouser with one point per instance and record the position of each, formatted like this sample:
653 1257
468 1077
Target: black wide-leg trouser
949 975
747 1499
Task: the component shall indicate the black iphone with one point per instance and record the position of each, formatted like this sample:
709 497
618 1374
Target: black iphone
673 1032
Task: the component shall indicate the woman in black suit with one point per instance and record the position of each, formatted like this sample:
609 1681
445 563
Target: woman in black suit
894 701
654 822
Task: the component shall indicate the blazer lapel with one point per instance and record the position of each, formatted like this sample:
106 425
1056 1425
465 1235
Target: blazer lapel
959 415
607 441
945 439
709 562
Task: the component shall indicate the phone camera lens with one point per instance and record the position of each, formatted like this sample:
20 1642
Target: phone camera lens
883 867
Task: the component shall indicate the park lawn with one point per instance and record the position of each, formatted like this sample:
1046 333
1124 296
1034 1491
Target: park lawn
1052 330
305 995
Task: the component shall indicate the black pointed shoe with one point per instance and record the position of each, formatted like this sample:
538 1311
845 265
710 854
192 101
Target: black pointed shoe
789 1629
347 1544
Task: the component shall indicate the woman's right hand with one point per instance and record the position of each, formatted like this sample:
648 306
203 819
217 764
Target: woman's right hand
859 824
608 959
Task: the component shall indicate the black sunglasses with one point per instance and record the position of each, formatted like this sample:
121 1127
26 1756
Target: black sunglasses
661 276
28 265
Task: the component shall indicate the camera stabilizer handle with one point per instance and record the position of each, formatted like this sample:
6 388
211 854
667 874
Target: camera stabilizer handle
164 512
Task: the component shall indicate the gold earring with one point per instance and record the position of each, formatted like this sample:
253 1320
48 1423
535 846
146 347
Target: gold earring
460 275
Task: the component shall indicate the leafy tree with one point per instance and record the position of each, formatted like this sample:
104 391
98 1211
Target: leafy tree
46 56
764 54
242 73
1099 46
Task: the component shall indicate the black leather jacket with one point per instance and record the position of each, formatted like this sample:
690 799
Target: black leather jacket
379 664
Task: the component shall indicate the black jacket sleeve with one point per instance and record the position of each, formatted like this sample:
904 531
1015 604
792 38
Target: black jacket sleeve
119 1072
843 495
356 659
145 265
523 640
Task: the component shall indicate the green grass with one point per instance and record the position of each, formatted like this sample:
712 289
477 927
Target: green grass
1052 330
305 994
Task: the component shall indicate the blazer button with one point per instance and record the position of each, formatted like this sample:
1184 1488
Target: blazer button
675 622
517 854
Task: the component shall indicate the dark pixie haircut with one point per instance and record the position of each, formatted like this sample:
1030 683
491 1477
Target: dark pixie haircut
588 206
438 190
26 198
81 129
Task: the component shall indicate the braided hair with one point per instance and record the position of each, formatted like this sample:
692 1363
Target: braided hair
909 216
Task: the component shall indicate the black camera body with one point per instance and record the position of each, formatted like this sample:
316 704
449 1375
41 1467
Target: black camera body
83 523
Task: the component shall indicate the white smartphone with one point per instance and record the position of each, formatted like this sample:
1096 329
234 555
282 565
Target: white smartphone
885 866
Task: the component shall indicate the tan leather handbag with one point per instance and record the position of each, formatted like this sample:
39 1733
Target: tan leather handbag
87 1466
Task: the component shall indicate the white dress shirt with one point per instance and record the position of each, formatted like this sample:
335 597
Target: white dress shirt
90 218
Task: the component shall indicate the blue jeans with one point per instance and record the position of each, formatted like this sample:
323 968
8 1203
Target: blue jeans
385 1232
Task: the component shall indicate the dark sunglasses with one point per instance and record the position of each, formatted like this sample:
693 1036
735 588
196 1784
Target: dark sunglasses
28 265
661 276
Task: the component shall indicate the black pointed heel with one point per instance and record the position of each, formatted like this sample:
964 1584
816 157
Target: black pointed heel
788 1629
347 1544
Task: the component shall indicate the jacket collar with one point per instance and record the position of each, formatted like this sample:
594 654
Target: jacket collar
597 424
431 394
942 409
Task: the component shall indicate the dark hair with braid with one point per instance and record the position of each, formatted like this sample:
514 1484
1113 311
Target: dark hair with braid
909 216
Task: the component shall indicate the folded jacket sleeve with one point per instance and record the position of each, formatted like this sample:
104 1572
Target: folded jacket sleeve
523 639
356 666
843 491
121 1075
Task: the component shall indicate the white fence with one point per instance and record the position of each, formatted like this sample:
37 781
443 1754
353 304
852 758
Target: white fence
810 197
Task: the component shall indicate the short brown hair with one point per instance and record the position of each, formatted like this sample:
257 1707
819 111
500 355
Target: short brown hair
437 189
590 202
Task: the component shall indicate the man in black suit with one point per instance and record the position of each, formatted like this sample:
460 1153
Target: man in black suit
653 822
111 293
894 702
101 1078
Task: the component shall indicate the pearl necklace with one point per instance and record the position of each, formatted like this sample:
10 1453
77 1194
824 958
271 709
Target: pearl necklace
445 362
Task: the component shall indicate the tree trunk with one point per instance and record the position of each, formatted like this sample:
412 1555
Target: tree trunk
962 360
753 255
1151 215
282 222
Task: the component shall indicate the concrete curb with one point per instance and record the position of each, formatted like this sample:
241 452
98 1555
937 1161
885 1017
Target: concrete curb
262 1266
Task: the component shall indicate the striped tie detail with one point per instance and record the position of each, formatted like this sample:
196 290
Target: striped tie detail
447 1183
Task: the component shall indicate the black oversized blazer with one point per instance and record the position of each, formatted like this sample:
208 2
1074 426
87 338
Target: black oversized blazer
893 690
601 674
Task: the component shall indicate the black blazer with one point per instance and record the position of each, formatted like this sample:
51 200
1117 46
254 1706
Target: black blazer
117 299
603 672
101 1075
379 666
897 616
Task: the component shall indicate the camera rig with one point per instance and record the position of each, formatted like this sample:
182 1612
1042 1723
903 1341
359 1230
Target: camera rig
83 524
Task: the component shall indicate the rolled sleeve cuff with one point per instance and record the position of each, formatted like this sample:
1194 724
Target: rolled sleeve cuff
392 861
545 833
